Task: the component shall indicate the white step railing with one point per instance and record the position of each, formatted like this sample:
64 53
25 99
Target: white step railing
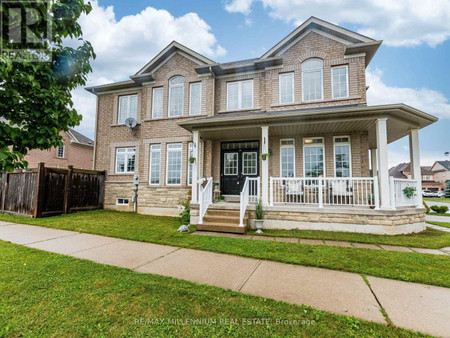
205 195
254 184
398 197
320 191
245 194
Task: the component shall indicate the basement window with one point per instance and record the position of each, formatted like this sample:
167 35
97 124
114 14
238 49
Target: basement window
122 201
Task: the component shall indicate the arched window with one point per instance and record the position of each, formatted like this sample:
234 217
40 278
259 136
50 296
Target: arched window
312 80
176 96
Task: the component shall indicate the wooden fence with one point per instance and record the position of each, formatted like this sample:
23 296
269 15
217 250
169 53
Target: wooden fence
45 191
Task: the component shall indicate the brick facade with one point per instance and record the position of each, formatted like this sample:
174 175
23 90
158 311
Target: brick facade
78 155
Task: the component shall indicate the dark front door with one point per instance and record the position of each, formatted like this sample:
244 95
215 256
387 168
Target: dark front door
239 160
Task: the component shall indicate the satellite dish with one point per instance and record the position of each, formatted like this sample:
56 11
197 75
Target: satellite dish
130 122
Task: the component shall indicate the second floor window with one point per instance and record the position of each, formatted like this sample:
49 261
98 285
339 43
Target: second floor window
176 96
312 80
125 158
287 88
157 105
339 80
61 151
127 108
195 98
240 95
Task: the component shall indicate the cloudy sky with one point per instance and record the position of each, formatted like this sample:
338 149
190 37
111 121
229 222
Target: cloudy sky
412 66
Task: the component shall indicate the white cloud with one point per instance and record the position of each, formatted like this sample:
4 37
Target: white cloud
124 46
427 100
397 22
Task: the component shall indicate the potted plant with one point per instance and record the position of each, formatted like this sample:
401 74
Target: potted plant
259 214
370 200
191 159
264 156
409 192
221 198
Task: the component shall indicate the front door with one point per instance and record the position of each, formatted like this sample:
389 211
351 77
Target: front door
239 160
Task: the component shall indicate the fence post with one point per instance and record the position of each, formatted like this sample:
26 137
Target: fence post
320 192
68 190
5 188
376 192
271 191
40 190
392 190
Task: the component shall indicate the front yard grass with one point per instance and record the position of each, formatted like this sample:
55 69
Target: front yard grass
411 267
438 214
442 224
443 200
46 294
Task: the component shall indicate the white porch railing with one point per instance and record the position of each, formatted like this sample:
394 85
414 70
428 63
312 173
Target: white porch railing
398 197
254 184
245 197
351 191
205 195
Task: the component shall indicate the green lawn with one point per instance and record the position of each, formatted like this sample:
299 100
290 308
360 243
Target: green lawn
443 200
442 224
438 214
412 267
45 294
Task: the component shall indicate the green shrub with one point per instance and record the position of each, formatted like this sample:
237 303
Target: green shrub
439 209
185 213
427 208
259 212
447 189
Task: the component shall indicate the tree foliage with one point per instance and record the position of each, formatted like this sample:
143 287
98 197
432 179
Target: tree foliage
447 189
35 99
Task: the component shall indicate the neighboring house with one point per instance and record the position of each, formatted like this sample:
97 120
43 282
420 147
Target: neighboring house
291 127
403 171
441 171
77 150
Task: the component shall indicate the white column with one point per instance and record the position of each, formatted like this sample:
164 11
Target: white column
373 160
195 165
414 155
383 170
265 166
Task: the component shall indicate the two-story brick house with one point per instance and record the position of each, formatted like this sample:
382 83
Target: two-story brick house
291 128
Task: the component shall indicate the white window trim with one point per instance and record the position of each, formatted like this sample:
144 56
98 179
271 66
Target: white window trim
321 82
170 94
314 145
126 172
332 86
190 98
167 163
349 143
150 168
153 102
286 146
128 106
122 198
64 151
240 95
190 145
279 87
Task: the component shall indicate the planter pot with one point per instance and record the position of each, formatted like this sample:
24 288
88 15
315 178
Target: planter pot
259 225
263 157
192 160
372 207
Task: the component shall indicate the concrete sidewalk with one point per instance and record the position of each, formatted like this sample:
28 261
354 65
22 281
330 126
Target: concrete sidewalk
414 306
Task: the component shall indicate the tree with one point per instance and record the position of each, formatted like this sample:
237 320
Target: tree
35 99
447 189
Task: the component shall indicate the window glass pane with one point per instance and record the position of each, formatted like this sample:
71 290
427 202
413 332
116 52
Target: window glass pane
340 82
157 106
195 98
61 151
286 88
287 161
177 80
190 154
312 72
123 109
233 95
230 164
247 94
312 64
249 163
174 163
313 161
342 160
155 163
133 107
176 101
125 160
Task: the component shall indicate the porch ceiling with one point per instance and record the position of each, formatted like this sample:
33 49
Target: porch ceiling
307 122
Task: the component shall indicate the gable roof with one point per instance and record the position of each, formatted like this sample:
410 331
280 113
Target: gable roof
354 42
445 164
79 138
400 169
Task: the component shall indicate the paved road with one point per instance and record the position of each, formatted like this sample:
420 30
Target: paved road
414 306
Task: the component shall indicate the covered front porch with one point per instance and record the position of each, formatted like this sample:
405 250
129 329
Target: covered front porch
324 169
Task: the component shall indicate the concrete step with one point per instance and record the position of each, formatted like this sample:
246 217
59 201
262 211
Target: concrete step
221 227
223 219
223 213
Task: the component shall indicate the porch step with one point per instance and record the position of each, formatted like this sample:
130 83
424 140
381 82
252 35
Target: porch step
223 221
